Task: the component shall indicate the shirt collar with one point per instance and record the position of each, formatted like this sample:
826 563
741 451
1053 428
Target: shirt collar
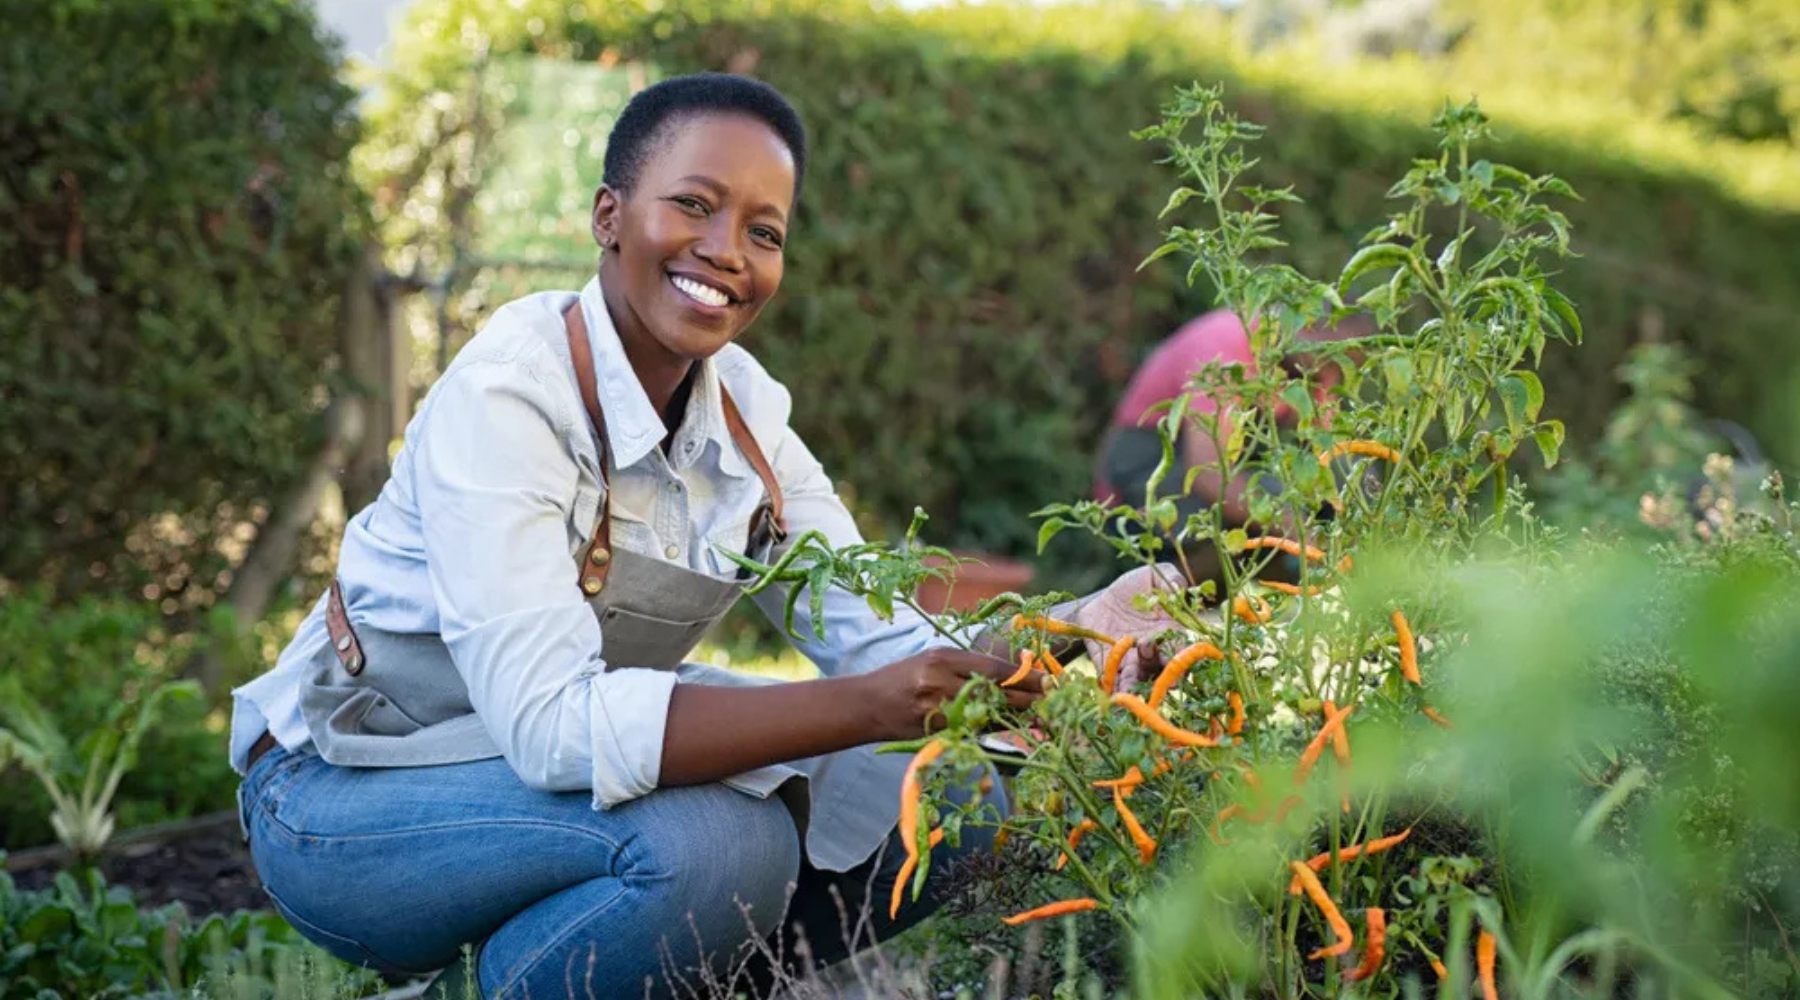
633 427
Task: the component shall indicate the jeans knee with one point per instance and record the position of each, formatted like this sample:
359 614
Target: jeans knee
727 857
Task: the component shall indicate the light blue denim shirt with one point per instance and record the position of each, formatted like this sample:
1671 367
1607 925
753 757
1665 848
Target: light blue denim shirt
472 539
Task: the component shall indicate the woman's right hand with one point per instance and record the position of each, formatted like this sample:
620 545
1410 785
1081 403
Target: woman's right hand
910 694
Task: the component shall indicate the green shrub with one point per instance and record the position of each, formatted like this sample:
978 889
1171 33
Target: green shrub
81 661
87 941
176 223
963 304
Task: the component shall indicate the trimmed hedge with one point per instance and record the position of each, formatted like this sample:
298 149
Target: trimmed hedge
962 305
176 223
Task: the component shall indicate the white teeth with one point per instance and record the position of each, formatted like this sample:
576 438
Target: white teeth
704 294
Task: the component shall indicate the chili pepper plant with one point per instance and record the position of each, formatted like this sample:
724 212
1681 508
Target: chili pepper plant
1373 464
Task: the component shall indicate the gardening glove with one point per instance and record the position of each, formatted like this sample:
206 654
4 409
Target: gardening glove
1113 612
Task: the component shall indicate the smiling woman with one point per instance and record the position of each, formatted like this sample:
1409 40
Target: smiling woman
486 734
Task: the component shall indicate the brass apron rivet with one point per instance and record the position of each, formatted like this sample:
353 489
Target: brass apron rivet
591 585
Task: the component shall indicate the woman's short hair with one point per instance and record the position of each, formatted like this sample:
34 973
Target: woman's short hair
648 115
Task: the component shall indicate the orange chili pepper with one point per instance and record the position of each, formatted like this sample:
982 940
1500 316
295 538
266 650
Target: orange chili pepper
1340 748
1484 965
1026 660
1217 828
1340 740
1250 610
1409 649
1287 545
1318 861
1178 667
906 872
1438 967
1375 949
1050 910
1081 830
1132 778
1146 844
1153 720
1372 449
1236 701
910 791
1055 627
1115 657
1310 755
1286 806
1432 714
1001 838
1289 589
1322 899
1050 662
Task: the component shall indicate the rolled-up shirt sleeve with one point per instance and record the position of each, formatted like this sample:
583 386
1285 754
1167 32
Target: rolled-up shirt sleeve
495 484
856 639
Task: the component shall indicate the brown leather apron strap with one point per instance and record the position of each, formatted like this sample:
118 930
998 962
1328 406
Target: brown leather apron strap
596 557
343 638
746 442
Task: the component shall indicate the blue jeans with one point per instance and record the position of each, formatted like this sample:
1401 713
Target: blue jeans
398 868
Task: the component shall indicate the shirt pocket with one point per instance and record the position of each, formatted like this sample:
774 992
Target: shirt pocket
633 535
733 537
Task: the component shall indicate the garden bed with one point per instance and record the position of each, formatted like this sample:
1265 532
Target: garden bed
202 864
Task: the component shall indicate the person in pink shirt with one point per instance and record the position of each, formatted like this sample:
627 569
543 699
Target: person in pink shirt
1131 448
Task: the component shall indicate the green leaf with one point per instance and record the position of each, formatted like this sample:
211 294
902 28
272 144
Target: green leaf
1549 439
1381 255
47 921
1158 254
1397 371
1565 311
1177 198
1164 514
1050 529
1522 394
118 919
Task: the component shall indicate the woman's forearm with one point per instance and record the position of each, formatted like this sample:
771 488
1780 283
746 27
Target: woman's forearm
714 732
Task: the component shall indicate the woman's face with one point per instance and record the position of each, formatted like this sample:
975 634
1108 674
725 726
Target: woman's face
694 250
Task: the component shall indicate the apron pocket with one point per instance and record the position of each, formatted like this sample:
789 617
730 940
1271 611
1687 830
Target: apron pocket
633 639
384 718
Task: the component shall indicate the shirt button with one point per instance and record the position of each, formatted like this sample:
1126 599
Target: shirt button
674 487
671 552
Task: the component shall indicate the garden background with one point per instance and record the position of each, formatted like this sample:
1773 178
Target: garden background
227 272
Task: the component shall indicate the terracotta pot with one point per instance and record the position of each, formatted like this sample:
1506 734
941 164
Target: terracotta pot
973 583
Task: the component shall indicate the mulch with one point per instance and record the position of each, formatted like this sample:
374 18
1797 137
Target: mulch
202 864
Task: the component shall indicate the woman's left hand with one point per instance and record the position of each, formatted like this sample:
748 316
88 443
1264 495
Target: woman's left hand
1113 612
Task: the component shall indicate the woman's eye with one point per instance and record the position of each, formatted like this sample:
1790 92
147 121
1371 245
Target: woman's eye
767 235
690 203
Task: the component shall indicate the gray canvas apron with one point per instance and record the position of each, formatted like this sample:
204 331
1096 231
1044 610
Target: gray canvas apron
382 699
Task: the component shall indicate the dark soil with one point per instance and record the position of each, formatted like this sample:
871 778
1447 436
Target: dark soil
203 864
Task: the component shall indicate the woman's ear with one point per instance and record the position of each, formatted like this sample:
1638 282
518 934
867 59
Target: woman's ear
607 207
